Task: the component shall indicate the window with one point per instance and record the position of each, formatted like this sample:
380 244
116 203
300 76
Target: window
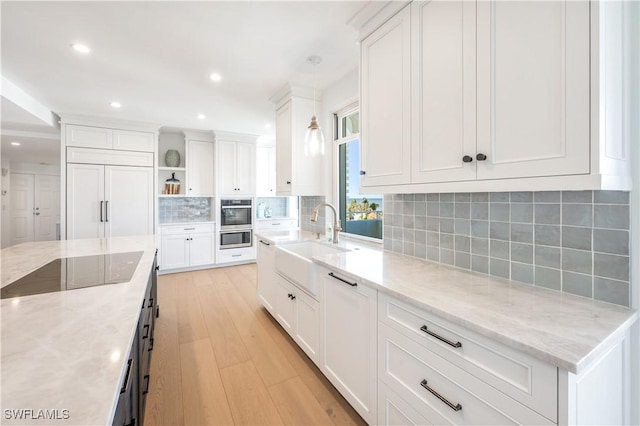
360 214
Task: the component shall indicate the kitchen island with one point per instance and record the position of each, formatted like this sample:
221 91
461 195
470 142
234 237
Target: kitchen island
64 354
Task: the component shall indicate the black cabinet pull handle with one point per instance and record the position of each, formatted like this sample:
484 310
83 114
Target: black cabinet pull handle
481 157
101 206
144 302
151 344
343 280
456 407
127 376
157 267
288 182
289 295
146 388
266 244
293 297
362 172
146 332
442 339
467 159
150 303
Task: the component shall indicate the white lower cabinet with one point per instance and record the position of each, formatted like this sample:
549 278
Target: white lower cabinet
349 330
299 315
184 246
393 410
266 275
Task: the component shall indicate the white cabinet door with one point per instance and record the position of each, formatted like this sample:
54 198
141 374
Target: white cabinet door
245 168
533 88
283 149
266 170
201 247
128 140
349 327
307 324
285 313
444 91
89 137
385 96
128 201
47 207
174 251
85 201
266 276
227 167
200 168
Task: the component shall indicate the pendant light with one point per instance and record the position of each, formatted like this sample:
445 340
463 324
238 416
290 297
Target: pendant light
314 139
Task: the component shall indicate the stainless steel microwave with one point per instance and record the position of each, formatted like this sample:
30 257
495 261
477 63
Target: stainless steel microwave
235 238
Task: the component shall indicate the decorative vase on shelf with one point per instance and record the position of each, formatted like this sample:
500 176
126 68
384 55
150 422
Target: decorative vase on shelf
172 158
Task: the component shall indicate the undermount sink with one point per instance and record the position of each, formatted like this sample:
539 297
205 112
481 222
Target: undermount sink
293 261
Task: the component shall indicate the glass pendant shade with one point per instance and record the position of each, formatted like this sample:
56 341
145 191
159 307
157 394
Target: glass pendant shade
313 139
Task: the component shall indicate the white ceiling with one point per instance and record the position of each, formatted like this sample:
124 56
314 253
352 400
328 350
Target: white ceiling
40 143
155 57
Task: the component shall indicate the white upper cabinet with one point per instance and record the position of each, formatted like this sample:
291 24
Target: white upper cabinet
200 172
99 137
297 173
236 167
504 96
533 88
444 95
386 103
266 170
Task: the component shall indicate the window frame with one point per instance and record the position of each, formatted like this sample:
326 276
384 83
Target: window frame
337 142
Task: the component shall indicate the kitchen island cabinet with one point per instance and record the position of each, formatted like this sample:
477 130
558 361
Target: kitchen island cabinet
79 356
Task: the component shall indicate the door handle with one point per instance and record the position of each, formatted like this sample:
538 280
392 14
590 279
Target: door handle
101 206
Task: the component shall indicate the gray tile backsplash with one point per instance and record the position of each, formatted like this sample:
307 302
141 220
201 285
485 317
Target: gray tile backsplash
307 204
573 241
185 209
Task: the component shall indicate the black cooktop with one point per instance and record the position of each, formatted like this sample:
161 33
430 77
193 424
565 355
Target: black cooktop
71 273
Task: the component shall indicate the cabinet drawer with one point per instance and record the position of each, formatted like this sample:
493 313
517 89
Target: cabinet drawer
393 410
522 377
236 255
442 392
276 224
186 229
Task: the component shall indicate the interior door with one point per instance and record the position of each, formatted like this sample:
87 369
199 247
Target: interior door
47 207
22 209
128 201
85 201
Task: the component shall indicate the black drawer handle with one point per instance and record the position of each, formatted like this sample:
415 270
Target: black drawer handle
266 244
151 344
343 280
150 303
442 339
481 157
127 376
456 407
288 182
146 332
467 159
146 388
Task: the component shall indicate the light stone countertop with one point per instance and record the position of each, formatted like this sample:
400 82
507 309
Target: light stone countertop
68 350
565 330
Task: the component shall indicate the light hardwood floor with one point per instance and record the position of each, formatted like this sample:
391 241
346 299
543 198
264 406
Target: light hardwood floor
220 358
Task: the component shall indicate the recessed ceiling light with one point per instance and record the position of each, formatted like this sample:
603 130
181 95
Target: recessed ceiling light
267 126
202 116
215 77
15 143
115 104
81 48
